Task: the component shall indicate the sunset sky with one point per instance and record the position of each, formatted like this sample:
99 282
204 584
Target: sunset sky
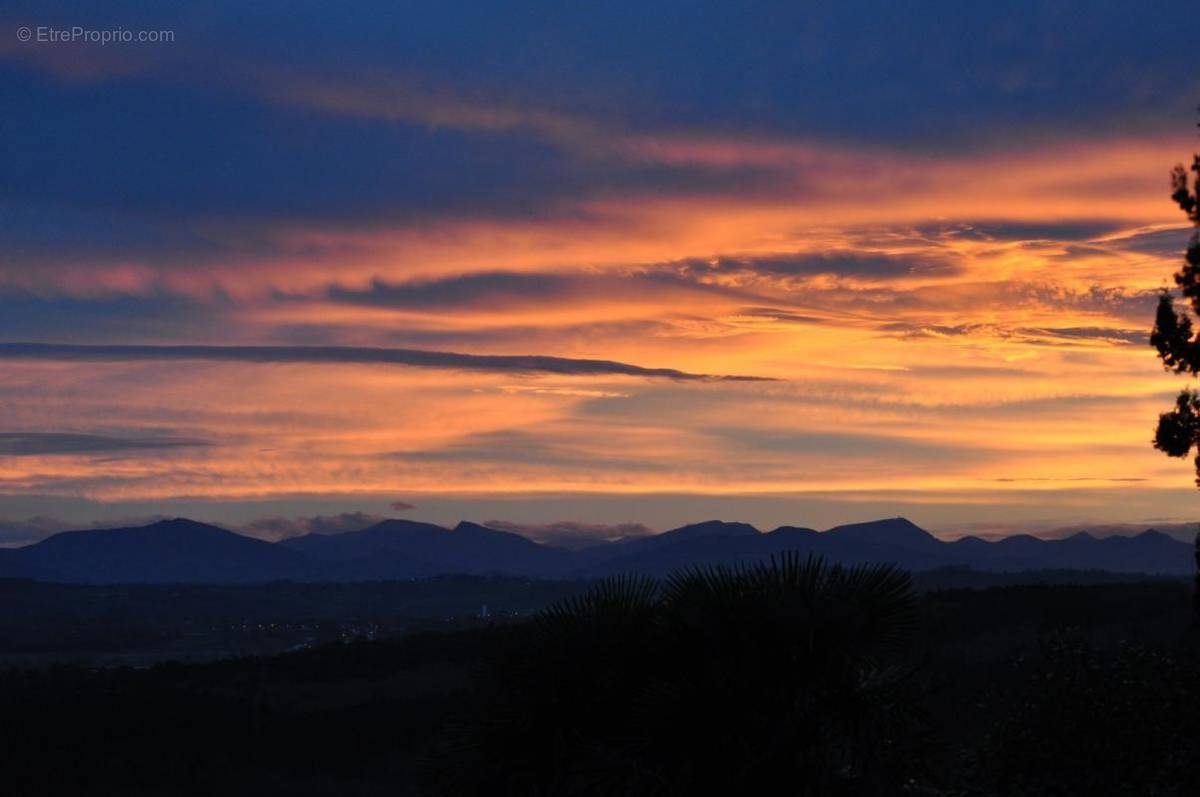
926 239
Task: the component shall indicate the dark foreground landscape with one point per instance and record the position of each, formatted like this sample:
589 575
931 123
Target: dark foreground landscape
714 658
786 678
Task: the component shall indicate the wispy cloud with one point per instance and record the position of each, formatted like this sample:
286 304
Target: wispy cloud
34 444
572 534
331 355
278 527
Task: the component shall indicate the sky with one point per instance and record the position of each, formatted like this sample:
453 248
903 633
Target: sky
589 263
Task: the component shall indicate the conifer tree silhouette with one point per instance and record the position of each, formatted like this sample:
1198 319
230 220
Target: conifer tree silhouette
1178 345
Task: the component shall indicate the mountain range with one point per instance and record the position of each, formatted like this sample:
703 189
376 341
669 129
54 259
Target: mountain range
185 551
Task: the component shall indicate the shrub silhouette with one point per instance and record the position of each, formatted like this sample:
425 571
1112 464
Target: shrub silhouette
728 679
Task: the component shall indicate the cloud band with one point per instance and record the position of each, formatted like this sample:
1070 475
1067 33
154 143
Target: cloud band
521 363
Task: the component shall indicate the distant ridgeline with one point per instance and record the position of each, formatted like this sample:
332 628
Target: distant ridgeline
184 551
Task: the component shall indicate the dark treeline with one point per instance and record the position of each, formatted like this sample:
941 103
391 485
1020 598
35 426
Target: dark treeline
796 678
145 623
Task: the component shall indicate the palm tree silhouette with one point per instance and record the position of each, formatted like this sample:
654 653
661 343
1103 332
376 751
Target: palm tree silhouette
726 678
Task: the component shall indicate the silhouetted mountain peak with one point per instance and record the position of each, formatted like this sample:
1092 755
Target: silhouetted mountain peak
467 527
489 538
178 523
793 531
892 531
1154 536
709 531
399 526
169 550
1082 536
172 531
185 527
713 528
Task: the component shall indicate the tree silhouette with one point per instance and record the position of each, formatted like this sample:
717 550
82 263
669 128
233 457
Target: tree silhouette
1177 343
725 680
1179 346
